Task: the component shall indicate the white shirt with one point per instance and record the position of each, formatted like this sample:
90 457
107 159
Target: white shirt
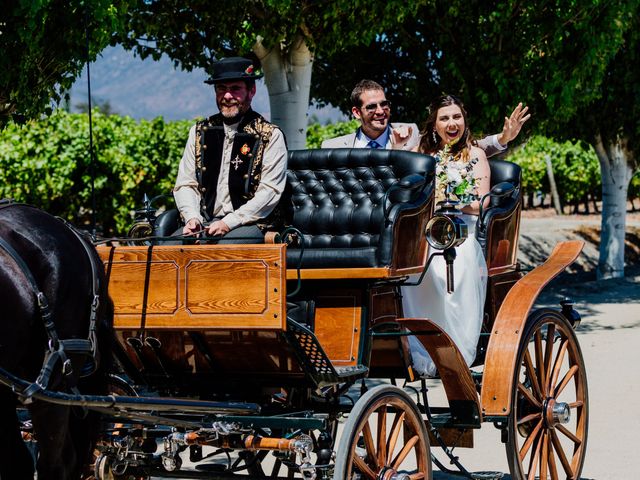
272 182
496 143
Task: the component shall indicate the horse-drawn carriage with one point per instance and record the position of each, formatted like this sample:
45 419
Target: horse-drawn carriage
250 356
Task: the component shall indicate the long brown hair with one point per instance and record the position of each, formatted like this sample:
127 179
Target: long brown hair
430 141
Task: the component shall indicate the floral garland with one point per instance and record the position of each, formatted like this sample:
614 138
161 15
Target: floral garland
455 179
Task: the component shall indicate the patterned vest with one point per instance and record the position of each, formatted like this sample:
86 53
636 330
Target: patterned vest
247 152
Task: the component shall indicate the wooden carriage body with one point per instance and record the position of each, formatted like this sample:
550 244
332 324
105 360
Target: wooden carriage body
219 312
240 322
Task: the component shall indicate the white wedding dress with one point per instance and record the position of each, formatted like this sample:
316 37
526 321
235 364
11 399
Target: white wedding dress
459 313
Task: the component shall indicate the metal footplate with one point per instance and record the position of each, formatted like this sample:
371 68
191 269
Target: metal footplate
487 475
315 360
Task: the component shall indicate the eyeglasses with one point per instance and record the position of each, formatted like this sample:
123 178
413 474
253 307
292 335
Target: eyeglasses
234 89
372 107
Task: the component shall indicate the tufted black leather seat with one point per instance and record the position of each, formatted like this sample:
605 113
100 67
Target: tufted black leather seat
347 203
500 221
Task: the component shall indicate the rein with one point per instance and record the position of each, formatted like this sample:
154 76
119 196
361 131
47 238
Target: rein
186 236
59 350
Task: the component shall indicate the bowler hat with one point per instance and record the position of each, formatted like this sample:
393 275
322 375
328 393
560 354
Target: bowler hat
233 68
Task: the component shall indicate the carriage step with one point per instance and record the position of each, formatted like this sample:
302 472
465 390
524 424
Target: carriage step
448 420
355 370
487 475
316 362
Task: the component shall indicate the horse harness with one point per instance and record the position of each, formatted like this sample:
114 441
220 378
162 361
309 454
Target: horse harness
59 349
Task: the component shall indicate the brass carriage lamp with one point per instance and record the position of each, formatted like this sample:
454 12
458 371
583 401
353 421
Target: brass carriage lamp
445 231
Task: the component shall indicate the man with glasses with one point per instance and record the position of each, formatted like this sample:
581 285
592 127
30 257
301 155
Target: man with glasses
371 107
233 170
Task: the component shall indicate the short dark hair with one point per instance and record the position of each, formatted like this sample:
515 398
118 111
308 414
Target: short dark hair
363 86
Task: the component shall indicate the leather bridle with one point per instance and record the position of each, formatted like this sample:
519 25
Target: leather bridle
59 350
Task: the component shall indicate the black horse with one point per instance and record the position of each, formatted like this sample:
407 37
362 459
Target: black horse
41 252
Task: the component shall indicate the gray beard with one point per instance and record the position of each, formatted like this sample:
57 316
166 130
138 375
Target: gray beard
232 120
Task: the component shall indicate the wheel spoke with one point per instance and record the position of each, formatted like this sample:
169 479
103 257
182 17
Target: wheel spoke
526 393
558 363
544 457
552 462
539 360
363 467
548 355
417 476
576 404
530 439
395 433
531 374
565 431
565 380
535 456
561 455
530 418
368 441
382 435
409 444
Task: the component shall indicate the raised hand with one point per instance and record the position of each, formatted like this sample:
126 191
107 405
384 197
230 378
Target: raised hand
400 136
513 124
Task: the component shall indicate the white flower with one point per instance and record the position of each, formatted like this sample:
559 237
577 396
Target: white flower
454 177
458 165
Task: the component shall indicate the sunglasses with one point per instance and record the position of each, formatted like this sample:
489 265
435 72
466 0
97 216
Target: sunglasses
372 107
234 89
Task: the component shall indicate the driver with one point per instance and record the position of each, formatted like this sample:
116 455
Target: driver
233 170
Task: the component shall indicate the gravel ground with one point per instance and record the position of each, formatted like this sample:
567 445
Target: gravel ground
541 230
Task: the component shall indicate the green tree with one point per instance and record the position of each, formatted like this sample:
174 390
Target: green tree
284 35
44 47
575 167
611 124
575 62
46 163
317 133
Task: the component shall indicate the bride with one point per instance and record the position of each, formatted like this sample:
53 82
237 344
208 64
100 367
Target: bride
459 313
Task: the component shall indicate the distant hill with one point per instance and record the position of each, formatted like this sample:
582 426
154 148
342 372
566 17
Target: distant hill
148 89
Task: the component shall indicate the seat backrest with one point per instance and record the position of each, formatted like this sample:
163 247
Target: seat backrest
504 171
336 193
498 229
342 198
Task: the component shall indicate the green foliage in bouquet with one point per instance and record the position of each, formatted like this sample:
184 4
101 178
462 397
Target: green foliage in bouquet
455 177
46 163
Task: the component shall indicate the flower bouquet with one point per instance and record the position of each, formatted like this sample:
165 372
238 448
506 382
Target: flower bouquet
455 179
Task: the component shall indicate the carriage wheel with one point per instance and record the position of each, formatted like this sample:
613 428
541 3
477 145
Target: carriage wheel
549 414
384 438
